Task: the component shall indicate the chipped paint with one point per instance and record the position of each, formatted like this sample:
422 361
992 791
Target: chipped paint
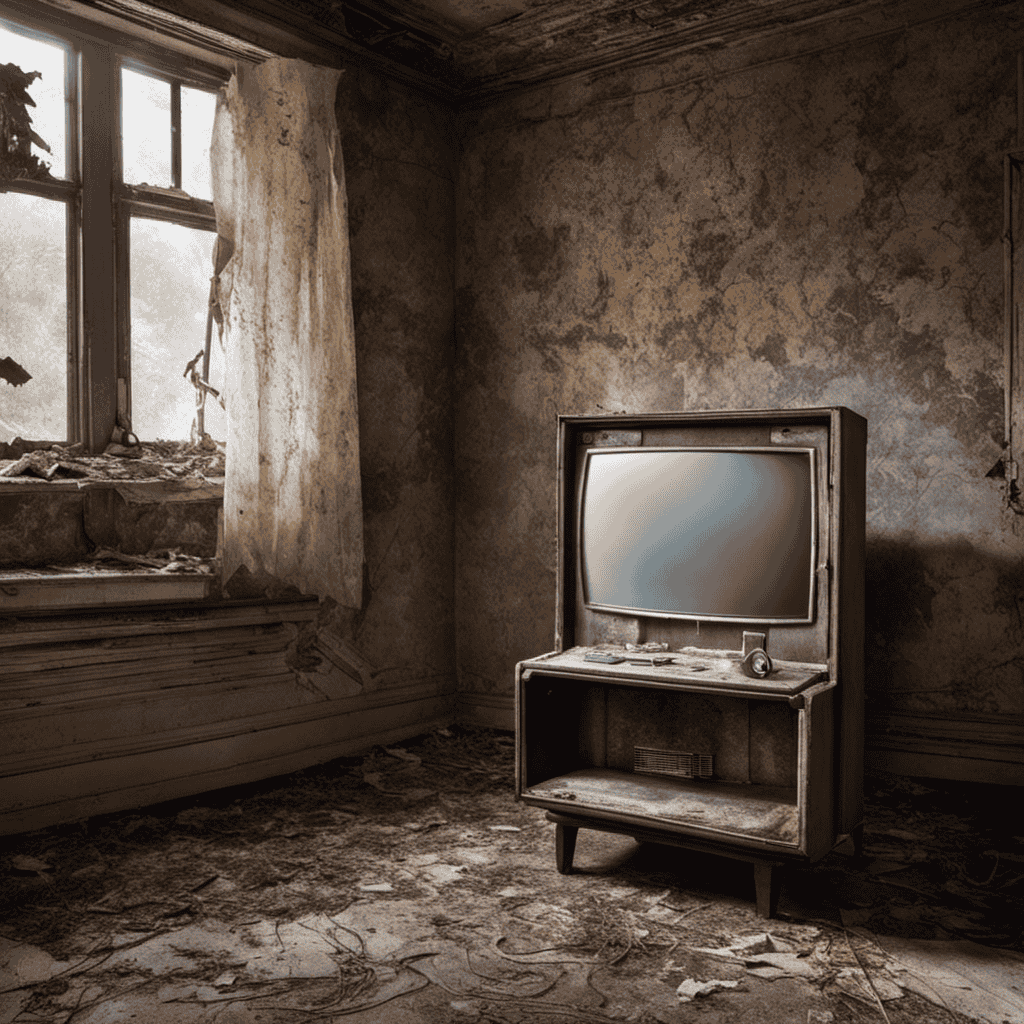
821 230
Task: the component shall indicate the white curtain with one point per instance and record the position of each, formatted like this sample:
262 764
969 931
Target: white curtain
292 499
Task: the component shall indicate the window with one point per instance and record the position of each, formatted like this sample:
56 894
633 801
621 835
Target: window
105 263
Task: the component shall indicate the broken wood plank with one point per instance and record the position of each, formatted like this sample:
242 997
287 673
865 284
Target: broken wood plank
34 629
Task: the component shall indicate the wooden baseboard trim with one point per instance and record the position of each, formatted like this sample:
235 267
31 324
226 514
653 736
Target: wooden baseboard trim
487 710
979 748
85 754
72 792
951 767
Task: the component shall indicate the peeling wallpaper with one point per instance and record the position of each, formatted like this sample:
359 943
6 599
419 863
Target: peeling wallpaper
824 230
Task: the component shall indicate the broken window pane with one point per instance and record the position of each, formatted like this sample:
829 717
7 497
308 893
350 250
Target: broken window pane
170 286
33 317
49 113
146 130
197 110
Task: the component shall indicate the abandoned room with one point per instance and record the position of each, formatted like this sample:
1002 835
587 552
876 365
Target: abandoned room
339 339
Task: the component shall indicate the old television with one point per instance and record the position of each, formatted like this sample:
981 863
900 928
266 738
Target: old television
688 544
713 534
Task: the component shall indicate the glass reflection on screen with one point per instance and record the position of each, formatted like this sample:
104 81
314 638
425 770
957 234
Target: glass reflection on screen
699 533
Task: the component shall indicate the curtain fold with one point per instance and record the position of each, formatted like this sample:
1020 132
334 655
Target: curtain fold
292 498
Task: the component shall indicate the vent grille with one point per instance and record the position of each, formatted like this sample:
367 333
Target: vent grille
649 761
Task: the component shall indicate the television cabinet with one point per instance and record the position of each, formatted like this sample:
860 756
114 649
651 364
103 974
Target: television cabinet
681 706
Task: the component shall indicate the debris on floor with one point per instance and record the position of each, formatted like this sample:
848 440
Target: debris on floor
690 989
978 981
408 885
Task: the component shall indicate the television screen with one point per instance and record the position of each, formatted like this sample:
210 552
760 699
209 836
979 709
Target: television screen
708 533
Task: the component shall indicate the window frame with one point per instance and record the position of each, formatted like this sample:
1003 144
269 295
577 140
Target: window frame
1013 327
100 205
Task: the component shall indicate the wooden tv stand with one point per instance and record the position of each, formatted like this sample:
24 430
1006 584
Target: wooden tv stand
695 753
767 810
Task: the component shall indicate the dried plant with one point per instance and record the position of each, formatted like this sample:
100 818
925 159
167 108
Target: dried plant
16 134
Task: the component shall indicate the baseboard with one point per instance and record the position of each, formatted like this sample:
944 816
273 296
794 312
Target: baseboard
105 711
87 758
136 780
977 748
487 710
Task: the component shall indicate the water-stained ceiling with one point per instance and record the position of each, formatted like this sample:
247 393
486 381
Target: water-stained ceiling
475 49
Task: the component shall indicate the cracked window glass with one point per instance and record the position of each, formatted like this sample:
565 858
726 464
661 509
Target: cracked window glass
33 317
74 362
171 267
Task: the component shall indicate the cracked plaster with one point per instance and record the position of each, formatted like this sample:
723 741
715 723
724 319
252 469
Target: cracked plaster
400 174
822 230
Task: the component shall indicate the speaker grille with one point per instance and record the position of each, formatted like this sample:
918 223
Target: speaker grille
650 761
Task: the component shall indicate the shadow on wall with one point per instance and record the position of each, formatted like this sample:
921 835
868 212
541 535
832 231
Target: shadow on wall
944 630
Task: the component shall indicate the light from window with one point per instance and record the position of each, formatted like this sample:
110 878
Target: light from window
197 110
170 286
33 316
129 222
146 129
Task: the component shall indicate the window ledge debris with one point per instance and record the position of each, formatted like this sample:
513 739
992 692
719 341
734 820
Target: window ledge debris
114 538
55 464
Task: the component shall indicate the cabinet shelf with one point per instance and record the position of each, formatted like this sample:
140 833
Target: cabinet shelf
584 737
758 812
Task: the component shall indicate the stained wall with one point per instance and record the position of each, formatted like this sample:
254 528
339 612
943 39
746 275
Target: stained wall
400 167
820 229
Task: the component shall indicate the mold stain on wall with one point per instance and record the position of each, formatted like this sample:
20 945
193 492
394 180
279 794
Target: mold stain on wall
400 160
820 230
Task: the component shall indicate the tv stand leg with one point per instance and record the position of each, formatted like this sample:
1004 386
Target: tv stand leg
767 884
565 847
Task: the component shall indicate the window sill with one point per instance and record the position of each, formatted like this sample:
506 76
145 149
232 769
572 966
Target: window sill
207 486
51 531
94 586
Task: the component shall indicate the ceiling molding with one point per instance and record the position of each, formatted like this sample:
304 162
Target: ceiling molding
307 29
435 48
699 58
547 41
738 35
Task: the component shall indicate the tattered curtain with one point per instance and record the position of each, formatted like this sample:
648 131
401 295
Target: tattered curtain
292 499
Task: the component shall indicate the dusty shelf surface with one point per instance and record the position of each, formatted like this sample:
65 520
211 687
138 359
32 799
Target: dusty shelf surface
688 665
409 887
763 812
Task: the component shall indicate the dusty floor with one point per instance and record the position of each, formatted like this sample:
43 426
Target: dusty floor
410 887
